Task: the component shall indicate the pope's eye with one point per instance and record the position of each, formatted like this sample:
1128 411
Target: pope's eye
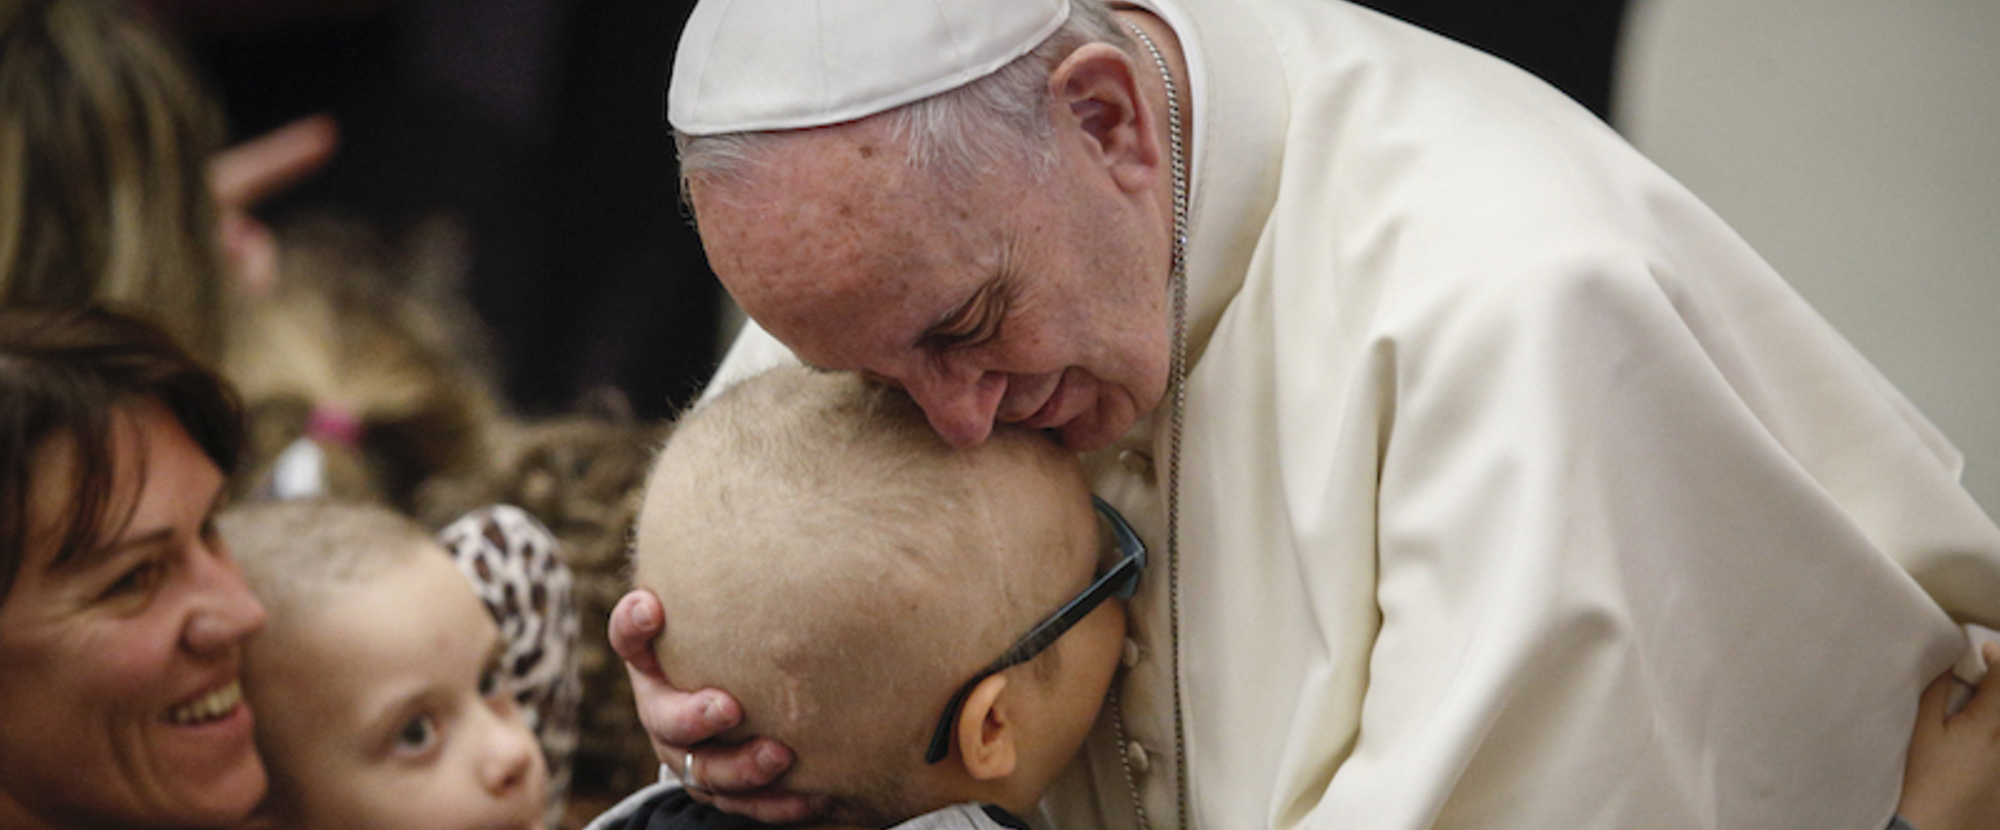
960 334
975 323
965 326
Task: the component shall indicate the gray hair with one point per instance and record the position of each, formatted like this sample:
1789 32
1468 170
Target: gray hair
995 122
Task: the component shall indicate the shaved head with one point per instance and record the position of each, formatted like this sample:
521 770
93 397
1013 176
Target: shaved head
831 562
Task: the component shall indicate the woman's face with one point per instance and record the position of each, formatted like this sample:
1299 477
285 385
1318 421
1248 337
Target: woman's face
121 696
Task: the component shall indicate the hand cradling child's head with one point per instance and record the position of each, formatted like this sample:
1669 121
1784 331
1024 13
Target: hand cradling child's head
842 571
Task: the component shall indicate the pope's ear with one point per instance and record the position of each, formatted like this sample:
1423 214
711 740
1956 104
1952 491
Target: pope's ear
986 731
1095 91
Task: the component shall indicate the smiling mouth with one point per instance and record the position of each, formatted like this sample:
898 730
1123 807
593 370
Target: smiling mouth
209 707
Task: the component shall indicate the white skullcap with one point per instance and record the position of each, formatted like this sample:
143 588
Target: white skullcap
789 64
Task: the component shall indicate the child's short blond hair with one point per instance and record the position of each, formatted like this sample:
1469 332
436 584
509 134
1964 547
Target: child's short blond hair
293 551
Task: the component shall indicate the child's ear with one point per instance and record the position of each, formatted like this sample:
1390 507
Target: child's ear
986 731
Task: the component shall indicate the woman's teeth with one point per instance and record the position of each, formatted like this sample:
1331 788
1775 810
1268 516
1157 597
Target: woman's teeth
209 706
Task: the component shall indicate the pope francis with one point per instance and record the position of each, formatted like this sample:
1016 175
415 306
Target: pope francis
1498 484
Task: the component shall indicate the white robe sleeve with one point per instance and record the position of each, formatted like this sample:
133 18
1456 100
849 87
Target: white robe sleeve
1617 590
1519 493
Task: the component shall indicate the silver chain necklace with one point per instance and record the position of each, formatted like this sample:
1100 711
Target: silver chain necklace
1177 387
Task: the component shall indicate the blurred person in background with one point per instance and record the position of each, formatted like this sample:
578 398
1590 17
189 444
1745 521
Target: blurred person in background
115 184
105 142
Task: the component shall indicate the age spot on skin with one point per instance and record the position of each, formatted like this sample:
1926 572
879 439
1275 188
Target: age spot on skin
868 151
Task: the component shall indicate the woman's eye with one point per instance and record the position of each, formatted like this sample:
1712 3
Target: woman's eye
140 579
417 734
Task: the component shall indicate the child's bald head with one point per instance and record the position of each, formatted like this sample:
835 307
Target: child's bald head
826 558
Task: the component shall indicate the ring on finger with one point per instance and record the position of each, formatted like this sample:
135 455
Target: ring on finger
688 776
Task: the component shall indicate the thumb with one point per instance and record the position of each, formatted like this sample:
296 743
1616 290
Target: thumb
635 621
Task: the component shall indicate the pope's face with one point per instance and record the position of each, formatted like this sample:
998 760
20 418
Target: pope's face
1018 300
119 666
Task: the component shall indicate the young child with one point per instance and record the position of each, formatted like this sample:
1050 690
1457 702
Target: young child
359 368
517 567
829 561
378 677
824 556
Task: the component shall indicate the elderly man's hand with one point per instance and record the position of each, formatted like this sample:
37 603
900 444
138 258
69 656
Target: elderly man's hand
728 776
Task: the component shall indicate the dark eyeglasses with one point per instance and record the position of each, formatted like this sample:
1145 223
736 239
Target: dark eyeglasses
1120 581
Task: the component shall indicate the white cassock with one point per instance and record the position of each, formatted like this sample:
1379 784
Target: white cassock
1517 492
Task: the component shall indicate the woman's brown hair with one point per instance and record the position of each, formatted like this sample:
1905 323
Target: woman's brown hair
64 375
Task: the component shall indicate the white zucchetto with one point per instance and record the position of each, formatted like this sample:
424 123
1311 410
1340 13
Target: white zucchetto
747 65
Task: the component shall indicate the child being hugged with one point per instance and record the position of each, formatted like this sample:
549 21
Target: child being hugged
932 631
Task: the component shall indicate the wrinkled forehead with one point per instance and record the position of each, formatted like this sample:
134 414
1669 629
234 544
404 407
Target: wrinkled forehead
836 230
808 177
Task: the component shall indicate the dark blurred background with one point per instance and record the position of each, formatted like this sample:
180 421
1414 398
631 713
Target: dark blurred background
537 124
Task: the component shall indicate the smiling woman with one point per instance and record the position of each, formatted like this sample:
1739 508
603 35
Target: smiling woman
122 616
